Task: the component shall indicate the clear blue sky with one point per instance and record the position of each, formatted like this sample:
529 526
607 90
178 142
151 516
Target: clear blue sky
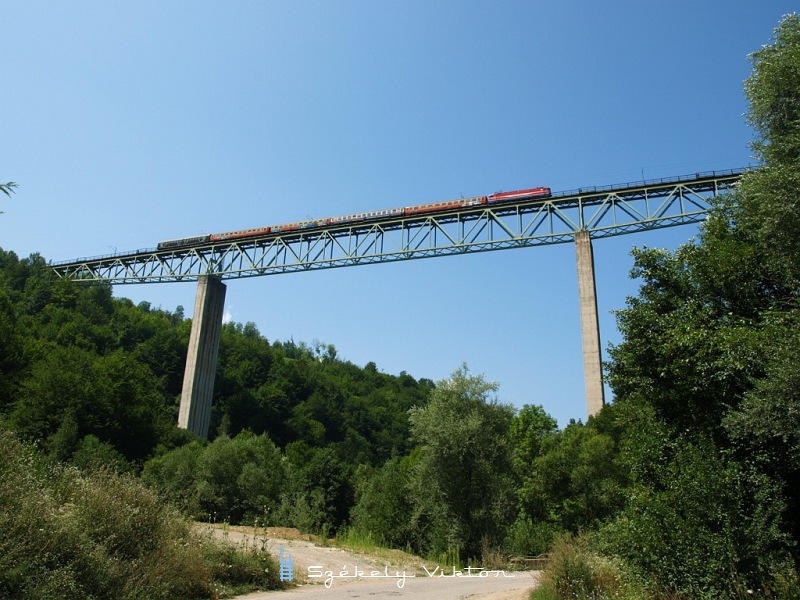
127 123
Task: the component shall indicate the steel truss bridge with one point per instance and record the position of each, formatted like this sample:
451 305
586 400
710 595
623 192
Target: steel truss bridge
600 211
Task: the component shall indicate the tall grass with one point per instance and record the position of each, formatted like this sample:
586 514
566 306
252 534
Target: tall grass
65 534
375 547
575 573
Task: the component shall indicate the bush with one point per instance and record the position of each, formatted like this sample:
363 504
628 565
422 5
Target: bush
574 572
175 475
710 528
318 490
238 570
64 535
93 454
383 509
528 538
235 480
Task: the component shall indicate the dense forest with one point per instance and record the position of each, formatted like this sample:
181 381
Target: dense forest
687 486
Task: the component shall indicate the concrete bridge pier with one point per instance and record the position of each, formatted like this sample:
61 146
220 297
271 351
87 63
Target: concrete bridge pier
590 327
201 358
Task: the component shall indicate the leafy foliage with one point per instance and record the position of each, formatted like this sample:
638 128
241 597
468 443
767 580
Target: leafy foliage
66 535
577 482
234 480
96 380
688 485
384 505
577 571
462 483
706 377
7 188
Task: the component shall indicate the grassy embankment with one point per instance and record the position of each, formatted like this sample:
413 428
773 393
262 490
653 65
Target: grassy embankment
69 534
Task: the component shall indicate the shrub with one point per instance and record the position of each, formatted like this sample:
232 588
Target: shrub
710 529
384 507
237 570
235 480
574 572
65 534
528 538
93 454
175 474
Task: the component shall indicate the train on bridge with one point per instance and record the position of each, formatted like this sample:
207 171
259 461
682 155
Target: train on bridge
500 197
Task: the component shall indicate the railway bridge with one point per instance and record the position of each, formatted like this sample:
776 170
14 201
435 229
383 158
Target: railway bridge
571 216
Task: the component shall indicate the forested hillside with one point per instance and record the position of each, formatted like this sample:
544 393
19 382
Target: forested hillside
85 374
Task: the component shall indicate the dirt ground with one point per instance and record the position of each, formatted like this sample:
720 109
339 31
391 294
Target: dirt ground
309 551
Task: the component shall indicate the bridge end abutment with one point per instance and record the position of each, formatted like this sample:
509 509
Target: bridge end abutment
201 357
590 326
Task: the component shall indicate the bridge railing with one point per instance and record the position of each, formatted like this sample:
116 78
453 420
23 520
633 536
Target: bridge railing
649 182
124 254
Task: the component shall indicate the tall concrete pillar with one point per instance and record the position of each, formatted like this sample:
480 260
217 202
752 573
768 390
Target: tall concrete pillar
201 358
590 327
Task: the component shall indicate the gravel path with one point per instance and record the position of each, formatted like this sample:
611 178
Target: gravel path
334 574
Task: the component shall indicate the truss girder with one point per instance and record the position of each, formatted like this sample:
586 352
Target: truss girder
602 212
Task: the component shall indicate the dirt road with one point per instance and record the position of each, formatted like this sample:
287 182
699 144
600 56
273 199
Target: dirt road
333 574
419 588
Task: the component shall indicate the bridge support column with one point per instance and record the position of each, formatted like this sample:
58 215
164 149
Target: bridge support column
590 327
201 358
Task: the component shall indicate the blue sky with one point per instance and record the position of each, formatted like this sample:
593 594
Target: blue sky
127 123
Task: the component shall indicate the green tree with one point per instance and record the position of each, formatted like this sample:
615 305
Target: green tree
238 479
530 434
706 380
530 430
113 397
384 506
771 212
576 481
765 426
7 189
11 358
708 527
318 492
175 474
462 485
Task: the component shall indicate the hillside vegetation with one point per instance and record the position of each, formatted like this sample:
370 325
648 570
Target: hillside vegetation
688 486
68 534
707 389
